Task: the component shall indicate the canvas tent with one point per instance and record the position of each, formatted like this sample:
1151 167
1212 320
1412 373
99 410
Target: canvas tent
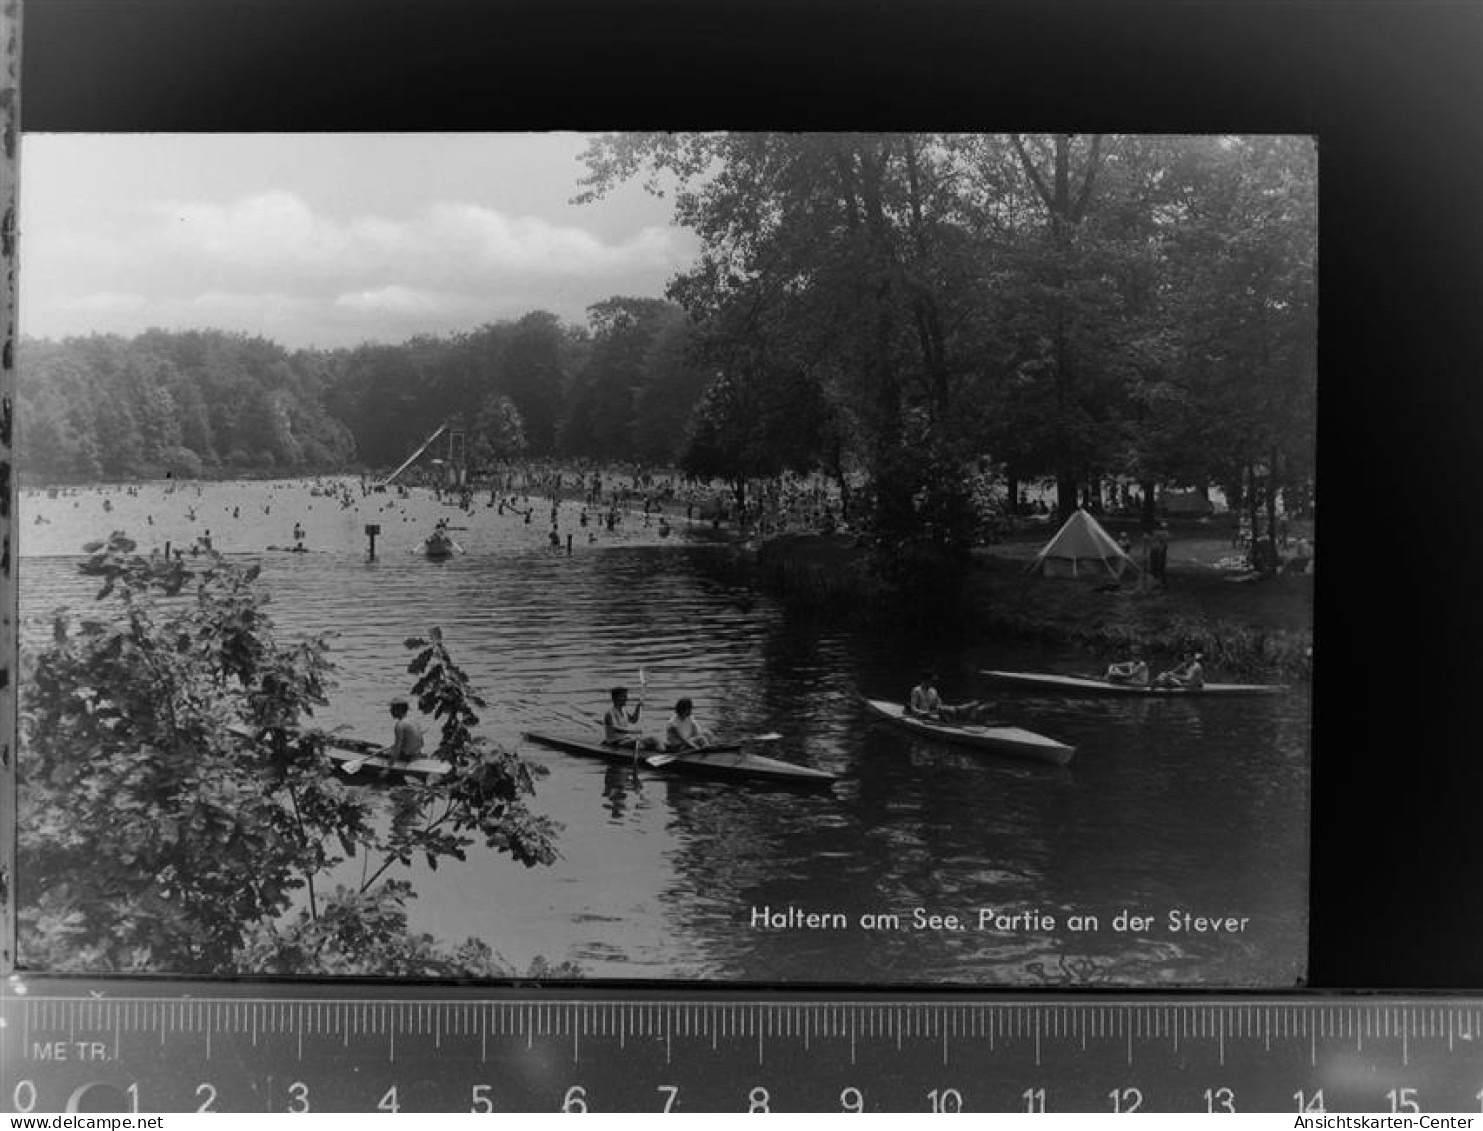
1081 548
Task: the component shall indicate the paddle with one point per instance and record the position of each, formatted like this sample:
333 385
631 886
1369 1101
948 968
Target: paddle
638 739
353 766
665 759
948 722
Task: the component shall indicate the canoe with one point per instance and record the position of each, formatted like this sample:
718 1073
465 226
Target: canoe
343 751
1096 685
1015 741
721 761
436 548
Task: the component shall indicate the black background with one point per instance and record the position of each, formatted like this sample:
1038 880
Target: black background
1393 91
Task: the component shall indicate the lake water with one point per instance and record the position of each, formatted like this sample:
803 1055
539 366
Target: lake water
1198 807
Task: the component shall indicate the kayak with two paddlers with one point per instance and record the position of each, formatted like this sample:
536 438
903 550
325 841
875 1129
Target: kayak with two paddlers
721 760
1100 685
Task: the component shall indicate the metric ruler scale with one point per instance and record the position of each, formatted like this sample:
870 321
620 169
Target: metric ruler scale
315 1048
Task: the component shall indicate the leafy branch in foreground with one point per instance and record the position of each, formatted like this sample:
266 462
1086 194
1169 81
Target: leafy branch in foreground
179 816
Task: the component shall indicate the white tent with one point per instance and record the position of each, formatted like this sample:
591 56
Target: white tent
1081 548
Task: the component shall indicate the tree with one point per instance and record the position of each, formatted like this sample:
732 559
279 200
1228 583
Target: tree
181 814
862 260
675 377
1072 313
600 412
1232 400
128 408
755 423
499 430
536 362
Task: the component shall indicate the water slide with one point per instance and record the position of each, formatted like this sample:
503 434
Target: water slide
411 459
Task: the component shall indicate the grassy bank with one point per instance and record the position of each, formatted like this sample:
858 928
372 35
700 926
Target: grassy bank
1259 628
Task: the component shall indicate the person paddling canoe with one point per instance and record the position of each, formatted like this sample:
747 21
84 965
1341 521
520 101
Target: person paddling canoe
406 736
1133 670
925 703
682 732
1190 674
620 726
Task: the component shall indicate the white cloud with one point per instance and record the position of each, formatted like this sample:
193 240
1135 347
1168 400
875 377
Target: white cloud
277 232
324 240
393 299
498 242
275 228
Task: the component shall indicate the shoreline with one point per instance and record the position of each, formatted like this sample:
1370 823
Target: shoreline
1261 628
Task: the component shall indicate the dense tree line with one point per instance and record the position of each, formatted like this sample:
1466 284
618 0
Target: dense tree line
200 402
622 387
899 311
1083 307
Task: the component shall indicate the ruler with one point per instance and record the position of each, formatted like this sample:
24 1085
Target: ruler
249 1047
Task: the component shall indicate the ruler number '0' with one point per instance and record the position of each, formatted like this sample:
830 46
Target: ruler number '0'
24 1096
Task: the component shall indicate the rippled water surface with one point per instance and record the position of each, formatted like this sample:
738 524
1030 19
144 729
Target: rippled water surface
1197 806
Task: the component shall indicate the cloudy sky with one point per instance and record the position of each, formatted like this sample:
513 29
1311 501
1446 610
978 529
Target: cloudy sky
324 239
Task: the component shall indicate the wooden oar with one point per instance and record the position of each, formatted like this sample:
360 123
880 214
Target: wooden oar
665 759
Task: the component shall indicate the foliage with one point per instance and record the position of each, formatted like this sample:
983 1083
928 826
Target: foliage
1074 305
1078 306
499 430
176 403
179 814
635 387
755 423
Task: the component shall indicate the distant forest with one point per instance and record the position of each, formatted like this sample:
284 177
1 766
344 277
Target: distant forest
211 403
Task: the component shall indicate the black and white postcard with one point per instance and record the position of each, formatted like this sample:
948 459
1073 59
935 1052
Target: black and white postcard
878 558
